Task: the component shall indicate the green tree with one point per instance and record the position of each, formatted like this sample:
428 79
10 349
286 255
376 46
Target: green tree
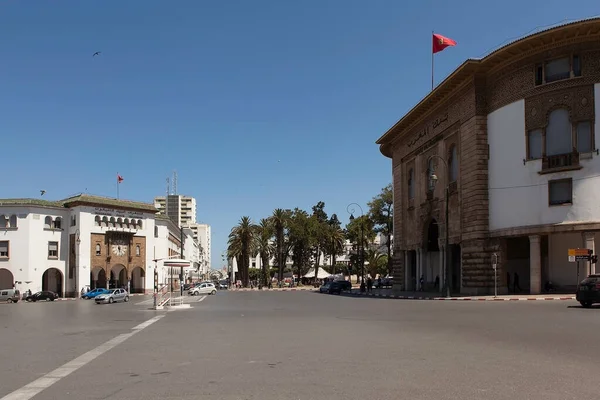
241 244
301 240
381 212
264 233
360 231
376 263
334 244
319 232
280 221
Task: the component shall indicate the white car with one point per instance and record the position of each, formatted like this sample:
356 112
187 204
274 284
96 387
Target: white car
203 288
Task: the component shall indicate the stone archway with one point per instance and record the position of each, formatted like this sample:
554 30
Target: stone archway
138 280
431 268
52 280
118 276
7 280
98 278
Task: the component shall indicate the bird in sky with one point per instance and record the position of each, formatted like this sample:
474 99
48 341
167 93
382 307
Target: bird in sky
42 192
97 53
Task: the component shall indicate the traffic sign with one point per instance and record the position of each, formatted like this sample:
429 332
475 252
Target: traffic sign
580 252
571 258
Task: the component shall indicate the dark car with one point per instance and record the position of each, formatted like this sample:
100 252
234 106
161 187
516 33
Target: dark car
588 291
43 295
336 287
345 285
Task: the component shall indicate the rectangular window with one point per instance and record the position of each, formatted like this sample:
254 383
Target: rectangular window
560 192
584 137
53 250
558 69
4 249
539 74
576 66
73 220
534 144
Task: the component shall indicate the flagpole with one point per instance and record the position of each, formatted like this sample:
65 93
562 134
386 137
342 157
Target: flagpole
117 186
432 33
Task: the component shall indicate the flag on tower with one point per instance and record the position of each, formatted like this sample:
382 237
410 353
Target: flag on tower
119 178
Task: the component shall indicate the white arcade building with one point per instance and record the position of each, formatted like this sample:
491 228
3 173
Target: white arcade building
85 240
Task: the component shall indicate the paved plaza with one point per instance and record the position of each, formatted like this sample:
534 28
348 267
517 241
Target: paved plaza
299 345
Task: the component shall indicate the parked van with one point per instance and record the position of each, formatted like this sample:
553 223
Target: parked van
9 295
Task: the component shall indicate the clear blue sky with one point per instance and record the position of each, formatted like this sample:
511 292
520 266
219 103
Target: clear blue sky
257 104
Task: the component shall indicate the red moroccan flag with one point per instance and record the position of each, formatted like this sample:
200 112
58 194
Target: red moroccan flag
441 42
119 178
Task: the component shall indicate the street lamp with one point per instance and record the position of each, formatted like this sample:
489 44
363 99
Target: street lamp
433 178
78 241
361 243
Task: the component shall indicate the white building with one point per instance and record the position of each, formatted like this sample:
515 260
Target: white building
81 241
181 209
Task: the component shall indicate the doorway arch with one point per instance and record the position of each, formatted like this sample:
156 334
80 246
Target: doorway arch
118 276
138 280
52 280
7 280
98 278
432 269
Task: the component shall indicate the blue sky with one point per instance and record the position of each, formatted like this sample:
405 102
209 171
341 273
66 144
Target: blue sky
257 104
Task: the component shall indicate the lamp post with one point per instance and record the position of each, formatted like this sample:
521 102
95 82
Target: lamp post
78 241
361 243
433 180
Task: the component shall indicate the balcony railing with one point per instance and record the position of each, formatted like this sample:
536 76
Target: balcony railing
560 162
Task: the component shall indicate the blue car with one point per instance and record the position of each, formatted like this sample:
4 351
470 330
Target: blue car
93 293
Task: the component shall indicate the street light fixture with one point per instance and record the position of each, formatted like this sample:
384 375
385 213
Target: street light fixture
361 257
433 179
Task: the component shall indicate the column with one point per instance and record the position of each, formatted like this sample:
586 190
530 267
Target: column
442 271
407 268
588 243
535 265
419 268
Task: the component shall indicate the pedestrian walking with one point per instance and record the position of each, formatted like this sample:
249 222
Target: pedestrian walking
422 283
369 284
516 285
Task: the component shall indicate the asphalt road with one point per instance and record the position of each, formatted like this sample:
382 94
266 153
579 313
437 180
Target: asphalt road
299 345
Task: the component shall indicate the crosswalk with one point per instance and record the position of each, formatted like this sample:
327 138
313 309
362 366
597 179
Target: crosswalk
176 299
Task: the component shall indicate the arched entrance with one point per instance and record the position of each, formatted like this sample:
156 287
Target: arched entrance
432 268
118 276
98 278
7 281
52 280
138 280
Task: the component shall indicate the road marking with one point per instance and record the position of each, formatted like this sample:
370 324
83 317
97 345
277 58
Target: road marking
35 387
201 298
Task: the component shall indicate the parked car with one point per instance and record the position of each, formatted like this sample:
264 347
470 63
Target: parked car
113 296
43 295
93 293
325 287
10 295
336 287
345 285
203 288
223 284
588 291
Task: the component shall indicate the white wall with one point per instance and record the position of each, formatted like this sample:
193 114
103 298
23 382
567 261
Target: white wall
518 195
562 272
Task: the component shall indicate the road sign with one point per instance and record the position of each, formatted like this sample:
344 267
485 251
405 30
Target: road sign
579 255
571 258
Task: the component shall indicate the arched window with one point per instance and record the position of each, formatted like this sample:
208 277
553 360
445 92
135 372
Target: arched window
98 249
97 220
411 184
120 222
452 165
430 171
57 223
139 222
105 221
111 222
48 222
137 250
126 222
12 221
133 224
559 135
3 221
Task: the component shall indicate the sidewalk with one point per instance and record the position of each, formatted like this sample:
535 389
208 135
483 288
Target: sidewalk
286 289
389 293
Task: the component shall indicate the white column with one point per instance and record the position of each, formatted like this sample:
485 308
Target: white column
588 243
535 265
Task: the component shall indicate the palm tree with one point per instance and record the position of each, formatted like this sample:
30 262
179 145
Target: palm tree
336 237
264 233
241 244
280 222
376 262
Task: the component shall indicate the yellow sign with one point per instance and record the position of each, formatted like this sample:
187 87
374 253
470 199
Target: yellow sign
579 252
